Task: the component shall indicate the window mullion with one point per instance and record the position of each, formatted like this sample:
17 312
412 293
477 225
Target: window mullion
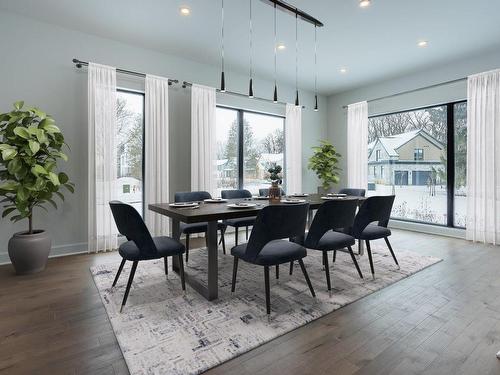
240 149
450 164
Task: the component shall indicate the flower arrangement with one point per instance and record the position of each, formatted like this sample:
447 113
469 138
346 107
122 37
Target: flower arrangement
275 174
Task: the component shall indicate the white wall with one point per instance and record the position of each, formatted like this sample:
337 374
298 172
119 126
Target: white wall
36 67
337 116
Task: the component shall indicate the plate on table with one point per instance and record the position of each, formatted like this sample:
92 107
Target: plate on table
242 205
293 201
260 198
184 204
299 195
337 195
332 197
215 200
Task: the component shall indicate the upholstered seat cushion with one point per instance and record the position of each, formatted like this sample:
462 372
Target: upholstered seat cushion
198 227
166 246
333 240
373 232
274 252
240 222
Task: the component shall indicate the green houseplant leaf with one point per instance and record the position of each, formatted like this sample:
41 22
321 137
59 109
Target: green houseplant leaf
324 163
31 144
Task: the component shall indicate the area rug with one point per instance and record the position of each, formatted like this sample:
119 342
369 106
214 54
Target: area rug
165 331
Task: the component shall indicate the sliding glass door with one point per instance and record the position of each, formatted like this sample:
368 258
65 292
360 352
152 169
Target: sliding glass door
420 157
248 143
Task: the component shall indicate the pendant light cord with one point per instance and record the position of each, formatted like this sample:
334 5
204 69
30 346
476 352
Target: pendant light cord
222 36
251 37
315 60
275 42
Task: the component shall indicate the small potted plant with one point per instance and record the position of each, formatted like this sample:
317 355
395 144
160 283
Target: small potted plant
276 178
324 162
30 146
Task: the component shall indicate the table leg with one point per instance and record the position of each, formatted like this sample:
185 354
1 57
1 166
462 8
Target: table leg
176 234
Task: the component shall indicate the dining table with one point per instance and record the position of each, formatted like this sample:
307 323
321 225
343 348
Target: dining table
220 210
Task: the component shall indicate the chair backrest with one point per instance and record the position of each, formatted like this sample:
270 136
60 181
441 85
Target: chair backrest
374 209
235 194
191 196
264 192
353 192
276 222
130 224
335 214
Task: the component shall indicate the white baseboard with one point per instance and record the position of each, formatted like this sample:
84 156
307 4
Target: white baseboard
428 228
56 251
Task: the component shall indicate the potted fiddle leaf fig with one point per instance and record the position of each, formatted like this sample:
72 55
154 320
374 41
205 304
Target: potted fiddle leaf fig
324 162
30 147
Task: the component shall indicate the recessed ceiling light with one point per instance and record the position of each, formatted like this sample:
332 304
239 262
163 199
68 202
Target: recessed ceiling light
364 3
343 70
281 46
185 11
423 43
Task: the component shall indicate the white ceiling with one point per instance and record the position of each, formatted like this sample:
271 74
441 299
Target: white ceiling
374 44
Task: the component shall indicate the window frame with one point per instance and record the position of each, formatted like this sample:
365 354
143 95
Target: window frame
450 160
143 169
418 154
240 117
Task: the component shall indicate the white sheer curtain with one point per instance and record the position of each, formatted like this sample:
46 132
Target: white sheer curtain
102 231
203 145
293 149
156 179
357 145
483 157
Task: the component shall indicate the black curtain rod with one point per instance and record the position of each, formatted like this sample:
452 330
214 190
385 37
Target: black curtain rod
414 90
189 84
79 64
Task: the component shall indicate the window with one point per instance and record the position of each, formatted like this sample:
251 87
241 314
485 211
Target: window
426 162
248 144
129 149
418 154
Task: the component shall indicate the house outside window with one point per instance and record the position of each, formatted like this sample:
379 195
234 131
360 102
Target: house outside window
418 154
377 157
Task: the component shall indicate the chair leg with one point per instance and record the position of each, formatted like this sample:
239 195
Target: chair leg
246 233
235 271
277 272
181 269
291 267
390 249
223 240
301 262
187 247
355 261
369 251
165 261
206 239
129 283
268 291
327 270
334 256
119 271
236 236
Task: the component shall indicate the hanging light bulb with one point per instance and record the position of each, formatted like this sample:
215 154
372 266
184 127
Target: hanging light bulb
222 77
275 94
315 68
296 60
250 85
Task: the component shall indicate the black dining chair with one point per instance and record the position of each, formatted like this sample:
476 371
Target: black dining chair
371 224
264 192
140 245
328 231
239 222
267 247
353 192
194 228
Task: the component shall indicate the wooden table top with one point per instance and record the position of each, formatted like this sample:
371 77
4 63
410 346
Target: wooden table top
220 211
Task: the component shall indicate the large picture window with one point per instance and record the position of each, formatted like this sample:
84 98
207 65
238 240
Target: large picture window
420 156
129 148
248 144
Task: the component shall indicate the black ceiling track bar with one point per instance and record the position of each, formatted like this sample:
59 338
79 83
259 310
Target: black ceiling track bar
288 8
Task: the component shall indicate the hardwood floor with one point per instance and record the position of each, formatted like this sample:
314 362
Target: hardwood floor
443 320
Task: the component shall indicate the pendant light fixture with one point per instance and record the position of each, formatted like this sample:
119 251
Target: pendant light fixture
250 85
222 77
296 60
315 68
275 94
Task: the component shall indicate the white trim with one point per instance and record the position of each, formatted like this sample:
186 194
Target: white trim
428 228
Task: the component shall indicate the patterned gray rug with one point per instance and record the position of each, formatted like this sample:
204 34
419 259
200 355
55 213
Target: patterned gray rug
164 331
